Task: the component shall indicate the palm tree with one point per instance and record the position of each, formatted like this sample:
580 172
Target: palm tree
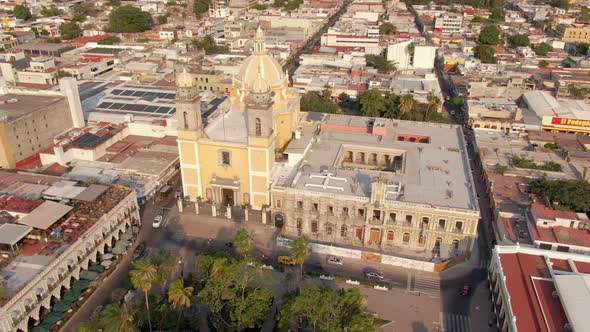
143 276
118 318
300 250
243 242
179 297
406 104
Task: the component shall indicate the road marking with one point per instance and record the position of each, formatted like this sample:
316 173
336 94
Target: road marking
456 322
427 285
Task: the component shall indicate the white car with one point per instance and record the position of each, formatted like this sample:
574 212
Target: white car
157 221
374 274
334 260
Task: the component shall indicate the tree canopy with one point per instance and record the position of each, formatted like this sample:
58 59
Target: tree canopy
312 102
200 7
542 49
232 294
485 53
374 103
380 63
129 19
243 242
51 11
322 309
571 195
518 40
543 63
22 12
208 44
387 28
490 35
69 30
497 15
109 41
582 49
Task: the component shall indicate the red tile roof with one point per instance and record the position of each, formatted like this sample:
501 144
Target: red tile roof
544 212
531 299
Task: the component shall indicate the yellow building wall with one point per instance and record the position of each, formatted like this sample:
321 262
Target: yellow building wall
259 184
187 151
259 199
284 130
6 157
210 165
258 160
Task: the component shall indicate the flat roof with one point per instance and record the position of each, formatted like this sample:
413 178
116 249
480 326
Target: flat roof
574 291
15 106
91 193
12 233
45 215
39 46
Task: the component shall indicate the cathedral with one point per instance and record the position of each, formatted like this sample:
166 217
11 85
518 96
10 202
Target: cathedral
228 158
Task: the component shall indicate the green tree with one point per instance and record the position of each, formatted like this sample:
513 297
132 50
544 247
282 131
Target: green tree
406 104
542 49
260 6
179 297
497 15
143 276
115 3
518 40
79 12
163 19
322 309
327 93
44 32
232 294
387 28
312 102
585 14
563 4
200 7
49 12
543 63
434 102
582 49
573 195
243 242
22 12
69 30
210 46
372 103
165 263
129 19
300 251
578 92
380 63
3 292
485 53
343 96
457 101
118 318
109 41
490 35
54 40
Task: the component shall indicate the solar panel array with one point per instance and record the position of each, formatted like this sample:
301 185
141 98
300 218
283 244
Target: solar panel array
144 94
137 108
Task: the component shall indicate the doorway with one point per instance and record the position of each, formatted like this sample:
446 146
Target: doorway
227 197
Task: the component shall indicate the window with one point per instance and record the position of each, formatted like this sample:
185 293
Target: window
408 219
361 212
314 226
406 238
456 244
299 226
300 205
459 227
437 242
315 207
278 203
441 223
329 229
425 221
225 158
392 217
330 210
376 215
389 235
422 240
258 127
343 231
345 212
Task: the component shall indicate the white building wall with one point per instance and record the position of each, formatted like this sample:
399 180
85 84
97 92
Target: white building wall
400 54
424 56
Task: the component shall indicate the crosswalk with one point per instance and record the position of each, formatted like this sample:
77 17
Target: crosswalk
427 285
456 322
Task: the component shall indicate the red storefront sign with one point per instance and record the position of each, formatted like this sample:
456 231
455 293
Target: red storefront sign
569 122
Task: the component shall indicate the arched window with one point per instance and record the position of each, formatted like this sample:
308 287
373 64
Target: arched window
422 240
390 235
258 127
456 244
437 242
406 238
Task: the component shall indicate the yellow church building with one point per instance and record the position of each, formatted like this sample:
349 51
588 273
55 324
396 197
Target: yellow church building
228 158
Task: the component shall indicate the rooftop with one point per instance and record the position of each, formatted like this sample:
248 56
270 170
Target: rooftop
15 106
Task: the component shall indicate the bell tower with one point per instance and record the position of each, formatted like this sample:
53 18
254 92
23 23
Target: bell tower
188 103
259 109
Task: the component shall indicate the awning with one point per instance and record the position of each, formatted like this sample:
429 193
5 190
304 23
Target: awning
80 285
123 243
42 328
88 275
118 250
62 307
45 215
96 268
52 318
107 256
106 263
135 229
72 296
126 236
12 233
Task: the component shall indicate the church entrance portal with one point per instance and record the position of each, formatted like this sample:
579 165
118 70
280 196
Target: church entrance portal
227 196
279 220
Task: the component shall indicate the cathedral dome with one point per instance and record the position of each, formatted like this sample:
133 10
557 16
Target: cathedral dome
260 63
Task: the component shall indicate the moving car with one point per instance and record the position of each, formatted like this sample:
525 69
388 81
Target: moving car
286 260
334 260
157 221
139 250
465 290
373 275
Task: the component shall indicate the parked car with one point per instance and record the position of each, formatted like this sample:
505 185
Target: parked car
98 309
286 260
373 275
157 221
465 290
334 260
139 250
229 244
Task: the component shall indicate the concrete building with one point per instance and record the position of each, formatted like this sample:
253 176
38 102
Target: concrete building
448 23
7 41
392 186
424 56
399 53
69 237
548 113
28 123
573 33
219 8
539 290
347 41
